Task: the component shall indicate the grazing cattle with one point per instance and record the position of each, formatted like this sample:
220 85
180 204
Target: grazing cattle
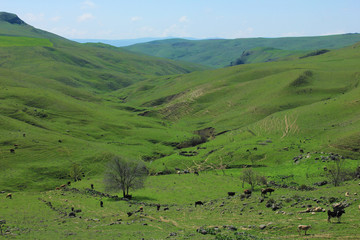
347 194
198 203
68 183
57 188
338 210
101 204
9 195
129 214
92 186
303 228
128 196
255 148
63 186
166 209
72 214
24 135
196 173
301 151
158 207
141 209
264 191
60 141
12 150
247 192
230 194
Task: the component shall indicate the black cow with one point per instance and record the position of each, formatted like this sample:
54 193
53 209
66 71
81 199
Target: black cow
247 192
338 210
230 194
264 191
101 204
198 203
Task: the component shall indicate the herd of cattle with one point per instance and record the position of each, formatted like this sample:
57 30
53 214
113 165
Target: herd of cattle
337 212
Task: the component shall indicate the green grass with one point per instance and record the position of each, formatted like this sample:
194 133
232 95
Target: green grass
178 192
6 41
84 103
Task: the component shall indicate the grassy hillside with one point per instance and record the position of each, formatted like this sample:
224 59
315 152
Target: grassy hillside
221 52
6 41
285 102
51 94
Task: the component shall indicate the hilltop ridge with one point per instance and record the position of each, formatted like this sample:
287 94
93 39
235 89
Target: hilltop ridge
220 53
11 18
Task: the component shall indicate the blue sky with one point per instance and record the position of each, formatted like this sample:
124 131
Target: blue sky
120 19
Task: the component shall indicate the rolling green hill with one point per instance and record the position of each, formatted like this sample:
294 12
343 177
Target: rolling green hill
84 102
219 53
50 90
310 98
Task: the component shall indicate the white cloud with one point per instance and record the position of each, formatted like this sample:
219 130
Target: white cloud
69 32
175 31
31 17
87 4
183 19
85 17
333 33
136 19
147 29
245 33
55 19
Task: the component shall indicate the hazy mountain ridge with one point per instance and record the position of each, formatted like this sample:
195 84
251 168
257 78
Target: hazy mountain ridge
221 52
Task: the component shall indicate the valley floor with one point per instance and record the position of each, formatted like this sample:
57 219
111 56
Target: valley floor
45 215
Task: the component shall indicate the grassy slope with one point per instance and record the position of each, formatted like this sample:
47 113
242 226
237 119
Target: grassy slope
267 99
51 94
220 53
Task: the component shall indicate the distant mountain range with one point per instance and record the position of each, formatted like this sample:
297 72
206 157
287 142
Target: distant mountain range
124 42
219 53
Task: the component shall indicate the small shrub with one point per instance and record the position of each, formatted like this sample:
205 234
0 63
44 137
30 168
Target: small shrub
297 197
262 180
333 199
302 79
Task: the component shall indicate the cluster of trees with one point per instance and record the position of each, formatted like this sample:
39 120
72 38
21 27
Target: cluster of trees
122 174
252 178
336 173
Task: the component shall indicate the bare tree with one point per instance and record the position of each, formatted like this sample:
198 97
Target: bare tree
250 177
122 174
336 171
76 172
